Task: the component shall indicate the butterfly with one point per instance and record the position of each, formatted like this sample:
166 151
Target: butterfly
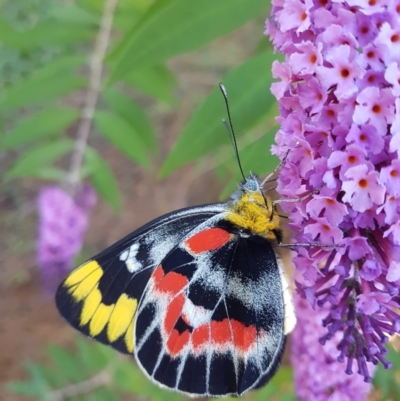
198 296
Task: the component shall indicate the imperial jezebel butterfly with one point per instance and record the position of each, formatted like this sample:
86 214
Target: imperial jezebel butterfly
197 296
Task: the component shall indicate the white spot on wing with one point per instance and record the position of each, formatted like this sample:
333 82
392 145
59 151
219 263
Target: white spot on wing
195 315
129 257
124 255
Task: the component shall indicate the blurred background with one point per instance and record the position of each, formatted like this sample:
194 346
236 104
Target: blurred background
145 74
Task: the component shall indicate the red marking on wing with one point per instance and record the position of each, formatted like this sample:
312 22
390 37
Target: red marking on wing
176 342
243 337
200 336
220 332
158 274
173 312
171 283
207 240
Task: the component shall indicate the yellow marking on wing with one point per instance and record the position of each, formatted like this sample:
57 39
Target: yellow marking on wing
81 273
100 319
129 337
83 289
90 306
252 212
121 317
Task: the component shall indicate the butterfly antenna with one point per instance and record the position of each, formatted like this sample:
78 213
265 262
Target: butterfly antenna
230 129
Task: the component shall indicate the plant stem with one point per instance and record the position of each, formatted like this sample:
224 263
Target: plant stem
84 387
92 94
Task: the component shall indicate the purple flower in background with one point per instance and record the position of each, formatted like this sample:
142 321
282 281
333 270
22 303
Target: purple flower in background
63 222
339 97
317 375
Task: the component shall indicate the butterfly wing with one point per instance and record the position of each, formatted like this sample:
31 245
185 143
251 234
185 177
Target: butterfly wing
211 321
100 297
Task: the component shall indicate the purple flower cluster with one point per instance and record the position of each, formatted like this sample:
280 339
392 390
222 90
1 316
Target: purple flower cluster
63 221
318 377
339 97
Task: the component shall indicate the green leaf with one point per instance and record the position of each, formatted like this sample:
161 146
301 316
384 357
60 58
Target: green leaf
156 81
128 109
66 363
103 179
48 33
173 27
386 380
249 100
128 377
49 173
45 123
23 388
280 388
38 379
128 13
73 14
94 356
255 157
50 82
122 135
35 159
103 394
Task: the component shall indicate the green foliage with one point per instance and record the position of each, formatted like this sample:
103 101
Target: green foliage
122 134
156 81
96 372
173 27
252 156
44 85
91 364
39 157
102 178
133 114
50 39
387 381
45 123
249 101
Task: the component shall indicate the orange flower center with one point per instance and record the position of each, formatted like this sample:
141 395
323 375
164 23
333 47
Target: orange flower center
376 108
363 183
345 73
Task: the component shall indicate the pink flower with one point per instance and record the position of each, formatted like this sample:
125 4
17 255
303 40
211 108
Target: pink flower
295 15
343 73
392 75
375 106
363 189
366 137
323 232
63 222
317 375
340 120
306 59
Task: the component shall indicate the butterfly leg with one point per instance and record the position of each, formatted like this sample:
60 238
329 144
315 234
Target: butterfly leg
297 200
266 179
309 244
306 244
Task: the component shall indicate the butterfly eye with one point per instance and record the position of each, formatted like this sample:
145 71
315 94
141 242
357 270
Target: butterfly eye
251 185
